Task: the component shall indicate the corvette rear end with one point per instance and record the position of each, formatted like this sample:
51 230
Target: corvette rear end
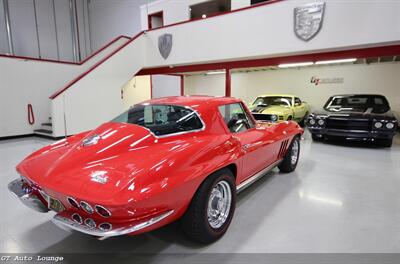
162 160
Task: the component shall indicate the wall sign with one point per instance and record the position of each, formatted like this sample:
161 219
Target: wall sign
165 45
308 20
316 80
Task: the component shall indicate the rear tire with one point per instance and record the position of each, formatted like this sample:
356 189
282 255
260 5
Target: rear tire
291 158
211 210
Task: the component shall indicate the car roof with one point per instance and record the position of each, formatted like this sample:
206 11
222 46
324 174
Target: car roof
367 95
194 101
277 95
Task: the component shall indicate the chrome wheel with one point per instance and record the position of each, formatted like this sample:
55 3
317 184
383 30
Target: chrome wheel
219 204
294 155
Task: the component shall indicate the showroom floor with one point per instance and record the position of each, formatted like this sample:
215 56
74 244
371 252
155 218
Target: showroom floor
341 198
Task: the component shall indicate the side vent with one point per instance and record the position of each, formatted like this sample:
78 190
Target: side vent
282 150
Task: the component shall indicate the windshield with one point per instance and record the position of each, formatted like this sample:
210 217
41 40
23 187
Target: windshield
162 119
358 103
273 100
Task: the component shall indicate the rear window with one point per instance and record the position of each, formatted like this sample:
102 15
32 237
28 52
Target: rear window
162 119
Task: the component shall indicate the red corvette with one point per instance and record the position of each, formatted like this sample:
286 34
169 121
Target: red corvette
162 160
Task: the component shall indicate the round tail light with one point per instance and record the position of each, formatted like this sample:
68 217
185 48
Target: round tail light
73 202
86 207
77 218
105 226
89 222
102 211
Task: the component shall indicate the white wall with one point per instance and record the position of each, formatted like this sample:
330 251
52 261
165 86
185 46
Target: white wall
173 10
267 31
27 81
166 85
109 19
381 78
96 98
136 90
205 85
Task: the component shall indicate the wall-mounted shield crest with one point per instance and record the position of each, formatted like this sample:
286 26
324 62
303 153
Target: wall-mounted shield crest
165 45
308 20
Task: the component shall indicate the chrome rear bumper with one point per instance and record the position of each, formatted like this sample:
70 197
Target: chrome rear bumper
69 224
26 196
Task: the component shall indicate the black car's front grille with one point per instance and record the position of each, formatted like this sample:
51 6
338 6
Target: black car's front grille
348 124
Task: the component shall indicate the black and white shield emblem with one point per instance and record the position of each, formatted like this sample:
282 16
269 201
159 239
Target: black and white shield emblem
165 45
308 20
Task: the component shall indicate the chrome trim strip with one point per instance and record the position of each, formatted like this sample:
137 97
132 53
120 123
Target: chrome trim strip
256 176
66 223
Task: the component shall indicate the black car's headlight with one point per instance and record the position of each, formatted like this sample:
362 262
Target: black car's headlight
321 122
378 125
312 121
384 124
390 125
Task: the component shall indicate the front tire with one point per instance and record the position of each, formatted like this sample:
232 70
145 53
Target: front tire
291 158
211 210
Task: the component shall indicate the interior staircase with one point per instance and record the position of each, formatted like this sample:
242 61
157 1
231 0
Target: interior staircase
46 129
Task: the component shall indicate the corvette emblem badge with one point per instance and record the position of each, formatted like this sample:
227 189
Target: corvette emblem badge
165 45
99 176
91 140
308 20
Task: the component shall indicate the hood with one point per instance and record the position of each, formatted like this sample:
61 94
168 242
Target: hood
96 164
273 109
355 114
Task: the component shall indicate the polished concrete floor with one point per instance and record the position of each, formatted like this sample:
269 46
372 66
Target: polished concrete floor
342 198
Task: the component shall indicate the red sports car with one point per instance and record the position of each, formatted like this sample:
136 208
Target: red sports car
162 160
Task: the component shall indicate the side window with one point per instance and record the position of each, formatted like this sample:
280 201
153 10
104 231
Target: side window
235 117
297 101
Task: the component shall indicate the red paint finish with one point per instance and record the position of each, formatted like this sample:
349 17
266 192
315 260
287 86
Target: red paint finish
93 67
66 62
157 14
182 85
227 82
31 115
343 54
149 175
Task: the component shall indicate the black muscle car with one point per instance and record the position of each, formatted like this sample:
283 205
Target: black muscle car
362 117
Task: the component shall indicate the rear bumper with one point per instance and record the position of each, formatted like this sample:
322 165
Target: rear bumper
27 196
31 198
68 224
353 134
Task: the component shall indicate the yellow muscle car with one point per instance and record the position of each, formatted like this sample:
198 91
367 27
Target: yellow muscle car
280 107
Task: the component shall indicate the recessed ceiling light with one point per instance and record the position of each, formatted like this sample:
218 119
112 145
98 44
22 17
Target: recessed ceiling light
335 61
288 65
215 72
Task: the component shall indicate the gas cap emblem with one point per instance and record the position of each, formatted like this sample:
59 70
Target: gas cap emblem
91 140
99 176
